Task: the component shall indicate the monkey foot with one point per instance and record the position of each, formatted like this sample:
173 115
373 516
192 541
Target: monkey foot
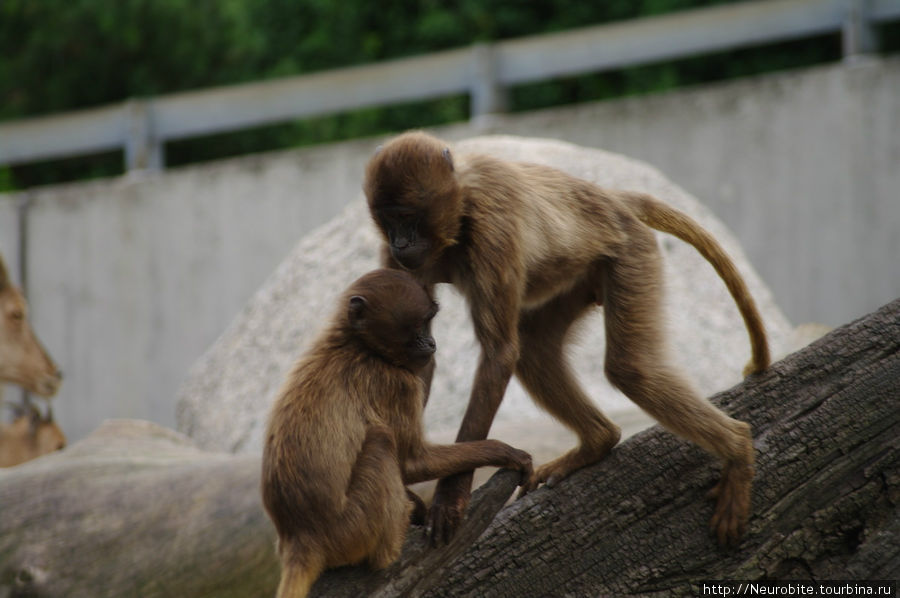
732 495
451 497
551 473
419 512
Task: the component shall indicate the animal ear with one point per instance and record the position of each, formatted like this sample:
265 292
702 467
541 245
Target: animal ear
356 310
448 157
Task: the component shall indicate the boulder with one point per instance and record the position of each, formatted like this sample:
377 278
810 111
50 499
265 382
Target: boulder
224 402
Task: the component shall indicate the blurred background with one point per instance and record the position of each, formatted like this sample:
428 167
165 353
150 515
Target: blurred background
158 158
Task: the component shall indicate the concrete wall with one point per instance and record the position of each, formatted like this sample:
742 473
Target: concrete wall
804 168
131 279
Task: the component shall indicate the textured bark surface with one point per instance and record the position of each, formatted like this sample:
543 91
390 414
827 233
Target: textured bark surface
137 510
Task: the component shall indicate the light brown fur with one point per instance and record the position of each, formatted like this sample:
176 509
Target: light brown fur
23 360
29 436
533 249
345 435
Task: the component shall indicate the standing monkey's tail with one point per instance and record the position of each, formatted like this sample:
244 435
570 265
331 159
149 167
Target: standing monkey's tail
662 217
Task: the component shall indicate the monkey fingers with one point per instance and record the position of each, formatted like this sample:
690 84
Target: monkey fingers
521 461
732 495
547 474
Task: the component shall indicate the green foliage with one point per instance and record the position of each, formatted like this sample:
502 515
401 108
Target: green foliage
64 54
58 55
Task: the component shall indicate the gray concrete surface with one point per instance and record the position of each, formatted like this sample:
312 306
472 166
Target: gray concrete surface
803 167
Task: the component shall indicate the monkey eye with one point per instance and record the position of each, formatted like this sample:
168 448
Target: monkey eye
401 215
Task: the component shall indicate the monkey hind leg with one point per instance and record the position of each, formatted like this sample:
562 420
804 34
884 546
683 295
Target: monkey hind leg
638 364
544 372
556 391
376 513
396 514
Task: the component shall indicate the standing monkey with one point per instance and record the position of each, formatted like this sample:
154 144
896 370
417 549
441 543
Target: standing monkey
532 249
345 435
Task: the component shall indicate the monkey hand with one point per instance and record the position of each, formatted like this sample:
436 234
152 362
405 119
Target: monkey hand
451 497
521 461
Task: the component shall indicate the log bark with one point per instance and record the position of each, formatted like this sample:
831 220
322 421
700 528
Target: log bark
136 510
825 499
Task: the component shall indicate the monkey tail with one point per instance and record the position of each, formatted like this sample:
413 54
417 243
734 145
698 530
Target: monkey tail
297 577
662 217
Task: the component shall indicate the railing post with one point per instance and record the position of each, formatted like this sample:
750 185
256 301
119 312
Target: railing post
487 95
23 205
857 32
142 150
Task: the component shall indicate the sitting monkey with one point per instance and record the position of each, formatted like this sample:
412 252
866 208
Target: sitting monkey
345 435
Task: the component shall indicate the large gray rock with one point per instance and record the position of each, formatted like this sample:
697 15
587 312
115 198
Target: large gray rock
225 400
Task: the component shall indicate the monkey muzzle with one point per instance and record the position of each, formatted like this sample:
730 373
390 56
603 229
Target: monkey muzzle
426 345
409 254
422 350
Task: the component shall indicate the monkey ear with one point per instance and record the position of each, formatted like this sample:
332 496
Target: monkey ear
355 310
448 157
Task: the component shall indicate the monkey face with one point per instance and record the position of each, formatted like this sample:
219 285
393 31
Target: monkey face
408 239
420 345
414 198
391 313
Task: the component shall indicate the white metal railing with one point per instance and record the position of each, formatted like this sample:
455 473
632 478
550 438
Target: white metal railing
142 126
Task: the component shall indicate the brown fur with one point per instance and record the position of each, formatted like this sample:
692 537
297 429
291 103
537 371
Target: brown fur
23 360
533 249
345 435
29 436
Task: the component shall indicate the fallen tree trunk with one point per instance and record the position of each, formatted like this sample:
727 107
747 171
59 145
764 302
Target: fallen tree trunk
135 510
825 500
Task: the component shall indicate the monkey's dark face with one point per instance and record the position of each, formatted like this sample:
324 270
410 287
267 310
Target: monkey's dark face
391 314
414 198
407 235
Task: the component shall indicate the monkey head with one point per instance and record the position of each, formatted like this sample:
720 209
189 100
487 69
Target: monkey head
414 198
390 314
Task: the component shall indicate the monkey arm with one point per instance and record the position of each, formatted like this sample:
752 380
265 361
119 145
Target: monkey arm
495 368
496 328
438 461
